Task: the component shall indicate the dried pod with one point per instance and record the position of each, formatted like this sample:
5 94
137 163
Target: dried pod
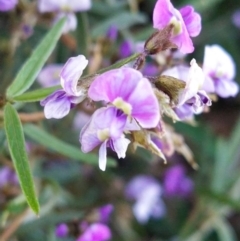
171 86
159 41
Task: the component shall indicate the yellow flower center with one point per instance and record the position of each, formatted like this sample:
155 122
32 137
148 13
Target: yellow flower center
103 134
177 29
122 105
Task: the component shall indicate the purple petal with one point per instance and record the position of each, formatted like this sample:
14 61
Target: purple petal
226 88
162 13
78 6
48 5
103 118
192 20
57 108
126 49
145 108
50 75
71 21
71 72
61 230
103 156
120 146
55 95
128 85
218 63
96 232
7 5
184 112
105 212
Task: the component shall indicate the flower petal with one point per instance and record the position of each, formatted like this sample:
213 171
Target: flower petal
49 5
226 88
78 6
71 21
103 156
120 146
192 20
162 13
50 75
71 72
57 108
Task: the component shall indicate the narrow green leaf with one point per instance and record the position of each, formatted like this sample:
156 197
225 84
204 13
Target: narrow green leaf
51 142
34 64
16 143
35 95
224 230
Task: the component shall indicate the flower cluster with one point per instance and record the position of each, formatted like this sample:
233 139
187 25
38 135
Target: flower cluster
132 105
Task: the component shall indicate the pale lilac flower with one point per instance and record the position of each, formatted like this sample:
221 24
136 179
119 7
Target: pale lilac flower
219 69
7 177
146 191
80 120
105 212
50 75
7 5
105 129
126 49
96 232
112 33
186 23
176 183
61 230
130 92
58 104
236 18
193 99
65 8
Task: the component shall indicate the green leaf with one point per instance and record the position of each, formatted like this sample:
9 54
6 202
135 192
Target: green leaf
16 144
35 95
224 230
51 142
122 21
34 64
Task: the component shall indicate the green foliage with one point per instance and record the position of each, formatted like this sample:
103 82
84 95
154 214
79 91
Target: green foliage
29 71
16 144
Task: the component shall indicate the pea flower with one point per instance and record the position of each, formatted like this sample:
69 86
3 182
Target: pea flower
105 212
147 193
7 177
7 5
58 104
49 75
176 183
219 69
96 232
186 23
193 99
130 92
105 129
61 230
64 8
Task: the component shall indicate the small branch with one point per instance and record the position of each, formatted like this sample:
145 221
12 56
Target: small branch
32 117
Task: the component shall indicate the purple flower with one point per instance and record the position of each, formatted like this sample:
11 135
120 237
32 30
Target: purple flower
96 232
192 99
61 230
176 183
65 8
126 49
236 18
58 104
147 193
219 70
7 177
105 129
7 5
105 212
185 23
123 88
50 74
112 33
